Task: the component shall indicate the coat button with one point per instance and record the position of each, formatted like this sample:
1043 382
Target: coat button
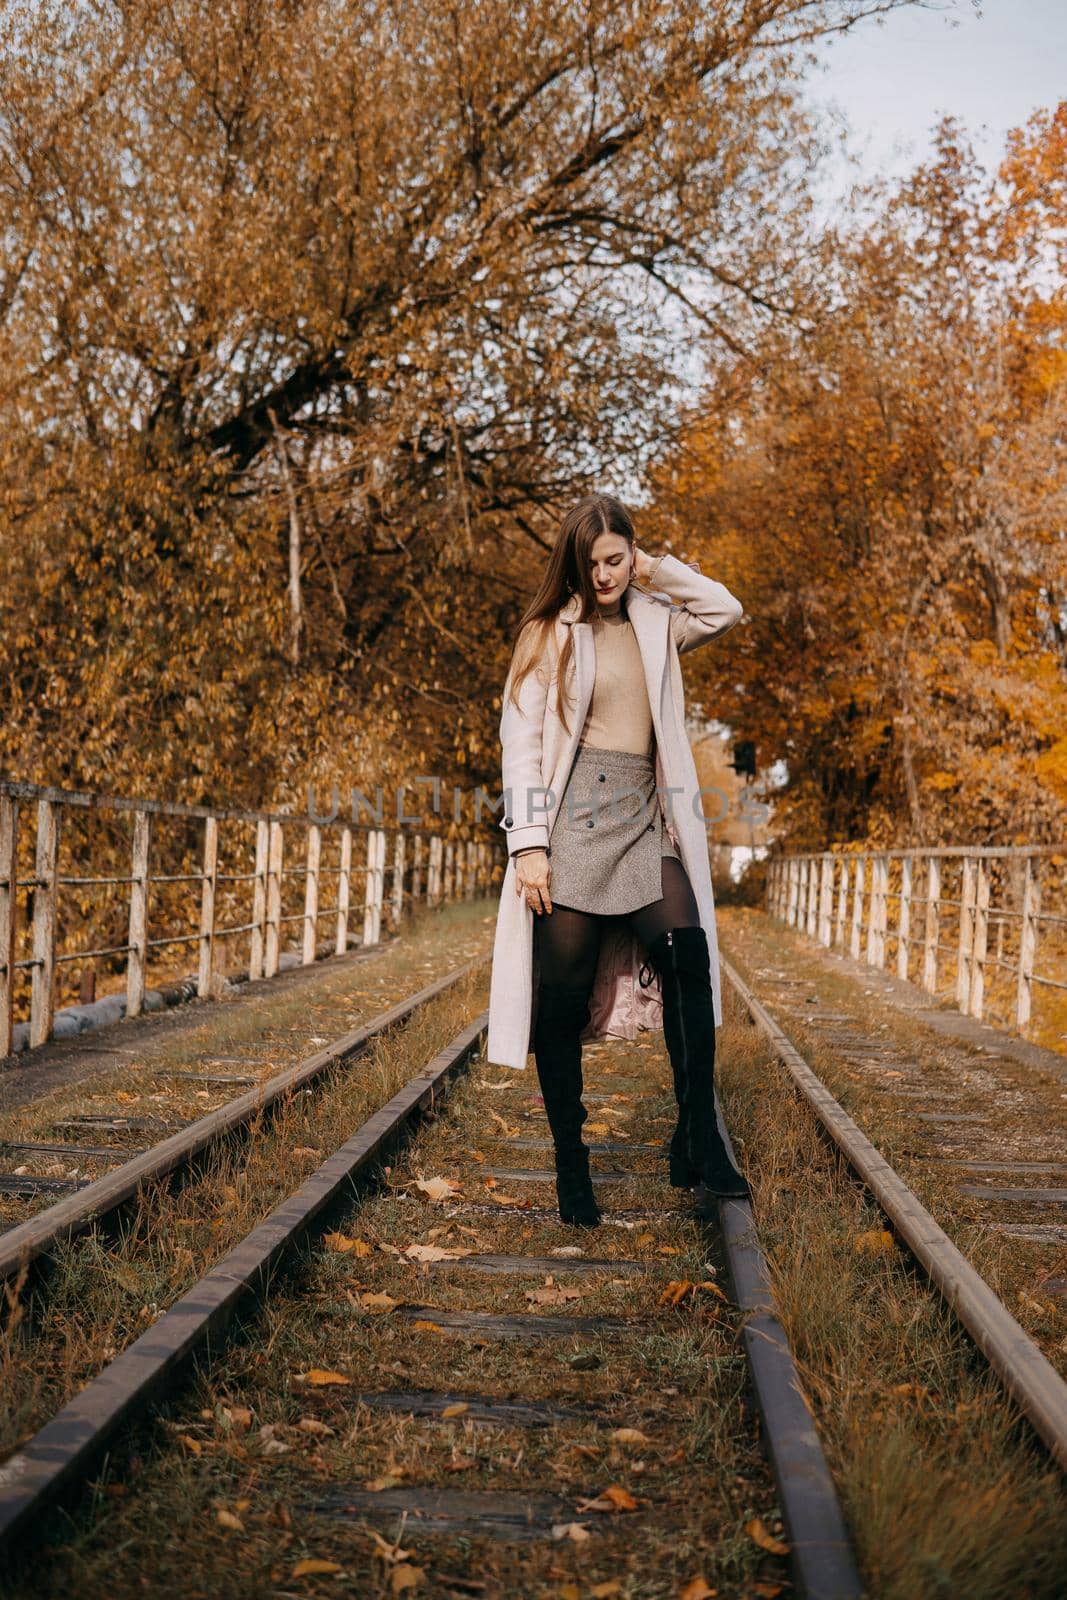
589 824
602 777
508 821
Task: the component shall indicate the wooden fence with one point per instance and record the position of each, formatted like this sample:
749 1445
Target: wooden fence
982 926
423 866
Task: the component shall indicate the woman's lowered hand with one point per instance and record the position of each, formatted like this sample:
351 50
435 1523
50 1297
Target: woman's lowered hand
533 875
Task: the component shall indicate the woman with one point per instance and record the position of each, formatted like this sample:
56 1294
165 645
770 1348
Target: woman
606 922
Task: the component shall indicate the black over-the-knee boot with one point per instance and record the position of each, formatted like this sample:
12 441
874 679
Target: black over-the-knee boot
562 1013
697 1152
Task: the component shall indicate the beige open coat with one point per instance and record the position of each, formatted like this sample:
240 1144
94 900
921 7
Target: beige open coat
537 754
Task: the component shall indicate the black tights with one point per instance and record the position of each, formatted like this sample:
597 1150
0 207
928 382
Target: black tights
567 942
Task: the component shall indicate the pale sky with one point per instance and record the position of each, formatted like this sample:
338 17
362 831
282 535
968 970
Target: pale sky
893 80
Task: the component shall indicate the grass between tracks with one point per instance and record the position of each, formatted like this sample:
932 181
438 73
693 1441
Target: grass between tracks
944 1488
1024 1112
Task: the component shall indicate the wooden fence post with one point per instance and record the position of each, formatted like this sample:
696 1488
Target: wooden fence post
43 989
904 918
976 989
137 955
826 897
433 877
1031 911
399 862
311 893
368 886
877 914
932 933
344 892
966 935
274 900
9 860
794 891
842 902
208 884
416 872
379 883
259 901
857 909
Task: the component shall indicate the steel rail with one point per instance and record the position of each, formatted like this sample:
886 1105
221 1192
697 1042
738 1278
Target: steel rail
68 1217
820 1547
1030 1379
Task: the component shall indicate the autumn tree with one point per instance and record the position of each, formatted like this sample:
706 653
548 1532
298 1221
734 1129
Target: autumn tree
883 485
312 318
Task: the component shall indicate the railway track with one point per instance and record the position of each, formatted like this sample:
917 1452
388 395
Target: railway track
568 1297
435 1307
96 1200
1029 1377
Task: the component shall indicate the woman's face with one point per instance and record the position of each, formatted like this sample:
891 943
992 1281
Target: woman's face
610 566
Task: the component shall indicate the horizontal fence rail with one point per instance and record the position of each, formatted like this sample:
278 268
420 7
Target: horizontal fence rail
150 909
982 926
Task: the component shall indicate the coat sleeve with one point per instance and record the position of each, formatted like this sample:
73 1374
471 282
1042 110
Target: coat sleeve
702 609
521 729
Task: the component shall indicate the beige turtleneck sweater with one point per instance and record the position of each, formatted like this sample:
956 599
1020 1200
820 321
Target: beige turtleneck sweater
619 716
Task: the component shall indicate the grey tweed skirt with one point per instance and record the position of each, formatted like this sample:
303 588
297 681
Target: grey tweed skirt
608 836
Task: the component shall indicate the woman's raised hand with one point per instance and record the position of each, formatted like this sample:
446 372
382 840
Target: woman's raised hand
533 875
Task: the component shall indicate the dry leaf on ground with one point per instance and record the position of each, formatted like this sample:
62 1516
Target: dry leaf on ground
437 1188
311 1568
614 1498
405 1577
875 1243
376 1302
226 1519
433 1252
766 1541
696 1589
387 1551
342 1244
570 1530
321 1377
317 1429
552 1295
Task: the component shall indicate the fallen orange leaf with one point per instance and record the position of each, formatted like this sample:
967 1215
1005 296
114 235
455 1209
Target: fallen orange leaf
766 1541
877 1242
313 1569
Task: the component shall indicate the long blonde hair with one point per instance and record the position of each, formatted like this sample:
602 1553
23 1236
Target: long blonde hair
567 573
